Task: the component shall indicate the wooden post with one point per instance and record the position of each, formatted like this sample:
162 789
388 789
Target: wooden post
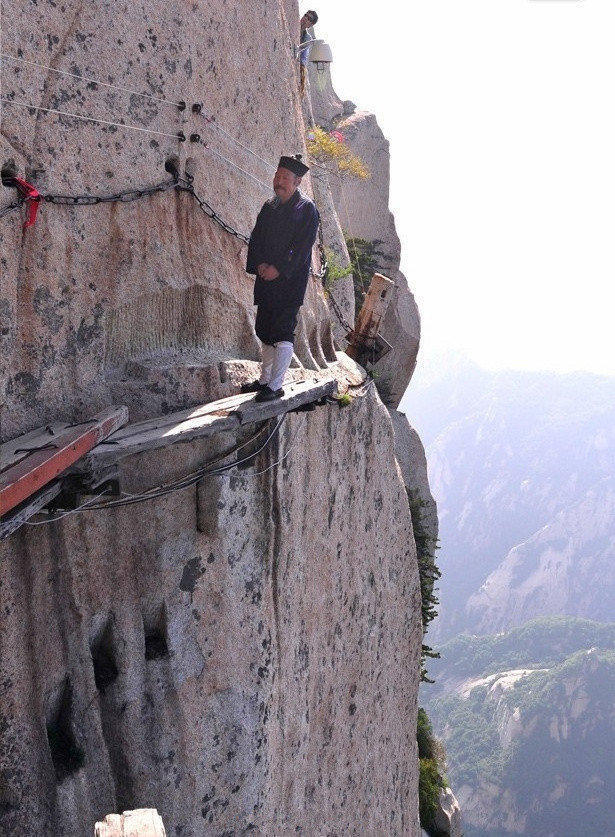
372 312
143 822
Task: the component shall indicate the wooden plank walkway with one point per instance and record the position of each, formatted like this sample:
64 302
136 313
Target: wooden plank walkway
201 422
31 464
32 461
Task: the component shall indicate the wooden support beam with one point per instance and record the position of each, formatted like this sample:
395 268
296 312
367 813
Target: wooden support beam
11 522
201 422
372 312
32 461
143 822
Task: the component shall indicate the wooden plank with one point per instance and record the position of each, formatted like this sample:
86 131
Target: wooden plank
212 409
52 457
139 440
371 315
295 395
12 452
11 522
201 422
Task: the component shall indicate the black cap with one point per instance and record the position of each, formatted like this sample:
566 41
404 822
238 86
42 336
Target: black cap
293 164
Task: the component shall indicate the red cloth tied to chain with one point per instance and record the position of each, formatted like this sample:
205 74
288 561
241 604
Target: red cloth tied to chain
31 196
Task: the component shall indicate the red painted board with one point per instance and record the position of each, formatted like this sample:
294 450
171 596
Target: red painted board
37 468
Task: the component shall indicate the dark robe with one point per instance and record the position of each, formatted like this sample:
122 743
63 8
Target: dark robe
283 236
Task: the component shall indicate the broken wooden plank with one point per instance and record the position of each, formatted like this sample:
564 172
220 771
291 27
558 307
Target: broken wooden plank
212 409
201 422
12 521
52 455
371 315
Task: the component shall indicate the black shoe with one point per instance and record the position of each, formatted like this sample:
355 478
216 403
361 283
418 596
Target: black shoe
254 386
268 394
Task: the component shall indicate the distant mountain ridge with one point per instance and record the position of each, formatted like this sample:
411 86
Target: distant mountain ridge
521 465
528 720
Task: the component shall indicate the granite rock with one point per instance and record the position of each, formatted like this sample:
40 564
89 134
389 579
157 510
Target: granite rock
242 655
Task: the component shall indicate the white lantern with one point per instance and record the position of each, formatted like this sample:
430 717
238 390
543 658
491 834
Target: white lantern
321 55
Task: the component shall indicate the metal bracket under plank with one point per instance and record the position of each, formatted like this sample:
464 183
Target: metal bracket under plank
201 422
27 467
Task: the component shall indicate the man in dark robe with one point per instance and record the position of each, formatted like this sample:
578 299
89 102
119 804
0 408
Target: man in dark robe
280 256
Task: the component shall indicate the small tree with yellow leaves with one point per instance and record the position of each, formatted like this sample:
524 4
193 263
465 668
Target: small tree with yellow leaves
329 148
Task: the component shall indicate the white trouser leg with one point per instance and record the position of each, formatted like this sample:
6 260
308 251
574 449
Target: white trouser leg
281 362
268 356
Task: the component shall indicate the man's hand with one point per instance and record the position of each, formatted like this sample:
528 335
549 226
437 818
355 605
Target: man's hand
268 272
262 266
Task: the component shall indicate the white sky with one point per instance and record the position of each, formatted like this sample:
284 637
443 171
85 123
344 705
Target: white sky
501 119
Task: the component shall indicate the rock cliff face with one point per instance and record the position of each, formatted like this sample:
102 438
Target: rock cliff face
232 655
566 567
363 211
242 655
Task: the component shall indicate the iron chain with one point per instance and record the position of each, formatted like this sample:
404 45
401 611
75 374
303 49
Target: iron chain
127 196
186 186
130 195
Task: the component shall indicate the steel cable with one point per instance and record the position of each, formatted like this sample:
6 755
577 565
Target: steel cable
5 55
235 166
210 120
18 102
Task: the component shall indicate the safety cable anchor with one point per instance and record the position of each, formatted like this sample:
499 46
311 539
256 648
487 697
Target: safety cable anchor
172 166
197 107
181 136
195 137
181 106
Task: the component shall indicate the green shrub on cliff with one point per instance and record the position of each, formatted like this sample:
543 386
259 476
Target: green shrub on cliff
429 573
334 270
429 792
431 771
365 259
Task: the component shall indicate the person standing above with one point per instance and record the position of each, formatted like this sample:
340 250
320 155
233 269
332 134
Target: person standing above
280 256
308 20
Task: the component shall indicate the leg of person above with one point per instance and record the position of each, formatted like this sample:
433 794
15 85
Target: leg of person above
283 323
268 354
268 358
283 356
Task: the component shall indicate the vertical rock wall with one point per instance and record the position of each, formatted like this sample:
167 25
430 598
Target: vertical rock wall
154 283
244 655
240 655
